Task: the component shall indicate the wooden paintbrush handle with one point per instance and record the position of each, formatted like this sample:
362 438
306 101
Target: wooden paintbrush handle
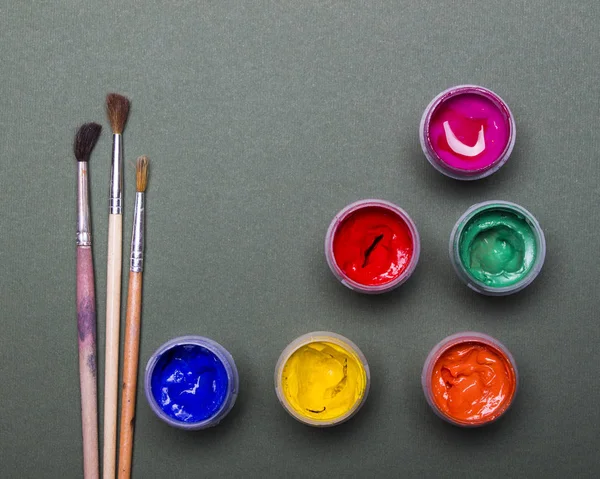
86 326
113 320
130 373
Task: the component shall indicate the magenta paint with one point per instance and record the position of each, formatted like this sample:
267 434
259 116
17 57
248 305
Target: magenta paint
467 132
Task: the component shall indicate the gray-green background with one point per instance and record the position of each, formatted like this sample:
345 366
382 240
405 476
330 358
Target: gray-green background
262 119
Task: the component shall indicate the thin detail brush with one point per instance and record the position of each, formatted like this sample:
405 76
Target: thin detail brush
132 324
117 108
85 140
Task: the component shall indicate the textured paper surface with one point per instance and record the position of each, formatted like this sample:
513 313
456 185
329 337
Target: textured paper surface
263 119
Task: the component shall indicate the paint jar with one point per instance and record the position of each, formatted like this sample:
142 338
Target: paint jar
470 379
467 132
372 246
191 382
322 379
497 248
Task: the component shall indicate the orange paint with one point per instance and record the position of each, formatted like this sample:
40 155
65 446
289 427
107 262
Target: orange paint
473 383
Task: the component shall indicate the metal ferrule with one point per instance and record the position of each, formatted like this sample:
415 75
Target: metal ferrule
115 196
84 230
137 235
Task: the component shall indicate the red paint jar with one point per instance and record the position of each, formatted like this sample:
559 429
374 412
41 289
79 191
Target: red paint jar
372 246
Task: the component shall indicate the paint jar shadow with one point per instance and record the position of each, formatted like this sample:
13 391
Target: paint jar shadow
375 303
466 190
204 443
515 303
473 191
350 430
472 438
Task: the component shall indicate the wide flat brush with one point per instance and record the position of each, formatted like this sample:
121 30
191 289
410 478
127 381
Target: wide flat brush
85 140
132 323
117 108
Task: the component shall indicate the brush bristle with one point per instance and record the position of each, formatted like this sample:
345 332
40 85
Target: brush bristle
85 140
117 107
141 173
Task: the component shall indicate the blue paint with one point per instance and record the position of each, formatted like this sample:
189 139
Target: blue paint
189 383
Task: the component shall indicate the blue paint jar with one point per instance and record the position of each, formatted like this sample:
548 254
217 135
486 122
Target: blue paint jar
191 382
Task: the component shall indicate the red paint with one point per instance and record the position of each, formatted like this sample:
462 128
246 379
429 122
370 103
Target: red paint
473 383
373 245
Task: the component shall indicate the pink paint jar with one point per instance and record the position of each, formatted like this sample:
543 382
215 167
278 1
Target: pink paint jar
467 132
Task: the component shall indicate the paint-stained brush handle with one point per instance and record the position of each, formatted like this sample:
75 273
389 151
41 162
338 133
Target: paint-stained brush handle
130 373
86 326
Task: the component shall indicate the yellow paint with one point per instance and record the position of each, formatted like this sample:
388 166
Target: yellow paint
323 381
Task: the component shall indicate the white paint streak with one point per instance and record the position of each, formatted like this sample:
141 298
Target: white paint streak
459 147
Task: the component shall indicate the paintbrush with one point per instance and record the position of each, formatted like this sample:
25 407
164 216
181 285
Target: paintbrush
117 108
132 323
85 140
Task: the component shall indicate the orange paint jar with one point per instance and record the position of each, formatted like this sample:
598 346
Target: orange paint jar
470 379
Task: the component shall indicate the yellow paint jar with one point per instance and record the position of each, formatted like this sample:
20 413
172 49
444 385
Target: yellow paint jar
322 379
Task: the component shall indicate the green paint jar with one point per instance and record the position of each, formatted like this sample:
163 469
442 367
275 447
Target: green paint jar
497 248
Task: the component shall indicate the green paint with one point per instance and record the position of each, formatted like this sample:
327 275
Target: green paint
497 246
